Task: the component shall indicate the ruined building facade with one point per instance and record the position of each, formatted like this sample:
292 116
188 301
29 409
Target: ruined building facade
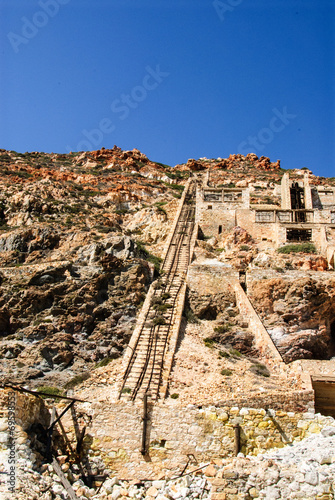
306 214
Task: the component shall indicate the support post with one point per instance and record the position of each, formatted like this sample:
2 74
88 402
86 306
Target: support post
237 439
49 435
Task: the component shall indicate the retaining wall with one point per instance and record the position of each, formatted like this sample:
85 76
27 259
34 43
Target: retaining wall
174 432
263 341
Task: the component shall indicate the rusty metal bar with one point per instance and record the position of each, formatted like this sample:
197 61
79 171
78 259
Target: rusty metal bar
54 422
37 394
145 423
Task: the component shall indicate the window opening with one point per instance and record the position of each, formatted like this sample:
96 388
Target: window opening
299 234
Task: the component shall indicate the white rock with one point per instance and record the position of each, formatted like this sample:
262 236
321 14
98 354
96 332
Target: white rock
312 478
116 492
272 492
159 484
3 425
109 484
244 411
184 492
57 489
328 431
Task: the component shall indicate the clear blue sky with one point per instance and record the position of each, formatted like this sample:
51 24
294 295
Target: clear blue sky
176 79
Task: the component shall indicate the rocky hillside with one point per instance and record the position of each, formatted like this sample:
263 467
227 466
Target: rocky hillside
81 236
74 268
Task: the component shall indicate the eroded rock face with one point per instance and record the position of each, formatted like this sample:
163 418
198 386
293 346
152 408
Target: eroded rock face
230 327
212 305
59 319
298 312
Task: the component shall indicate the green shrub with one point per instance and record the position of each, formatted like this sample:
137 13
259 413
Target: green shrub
224 354
226 372
174 395
53 391
244 248
190 316
260 369
156 300
122 211
78 379
209 341
159 320
148 256
158 284
295 248
177 187
163 164
235 352
161 209
126 390
222 328
162 307
103 362
166 295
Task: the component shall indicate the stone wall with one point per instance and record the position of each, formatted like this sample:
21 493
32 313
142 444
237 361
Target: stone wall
259 231
285 192
305 470
28 409
211 277
263 341
174 432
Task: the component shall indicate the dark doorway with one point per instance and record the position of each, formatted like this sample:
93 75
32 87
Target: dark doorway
242 279
297 197
331 352
220 229
324 390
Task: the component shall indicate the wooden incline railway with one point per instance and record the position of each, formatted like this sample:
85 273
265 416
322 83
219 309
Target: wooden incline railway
154 339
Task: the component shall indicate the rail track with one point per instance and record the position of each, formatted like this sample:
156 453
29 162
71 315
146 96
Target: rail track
145 368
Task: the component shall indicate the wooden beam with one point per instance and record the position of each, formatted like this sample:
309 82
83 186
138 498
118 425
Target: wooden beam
65 482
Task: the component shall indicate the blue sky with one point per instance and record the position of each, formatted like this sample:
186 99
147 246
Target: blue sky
176 79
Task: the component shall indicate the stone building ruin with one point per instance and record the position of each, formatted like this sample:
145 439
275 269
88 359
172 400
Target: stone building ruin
306 214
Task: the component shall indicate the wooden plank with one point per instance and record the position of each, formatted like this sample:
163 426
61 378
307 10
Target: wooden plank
324 388
49 435
65 482
65 435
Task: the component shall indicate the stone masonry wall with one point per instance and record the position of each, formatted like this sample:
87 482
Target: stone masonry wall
174 432
28 409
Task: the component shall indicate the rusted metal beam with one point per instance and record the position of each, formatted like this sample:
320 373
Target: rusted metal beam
60 416
145 423
37 394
